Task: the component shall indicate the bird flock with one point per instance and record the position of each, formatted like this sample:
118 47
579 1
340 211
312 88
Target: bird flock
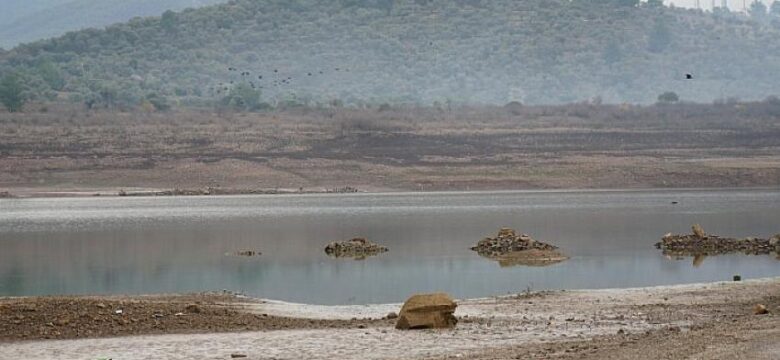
272 78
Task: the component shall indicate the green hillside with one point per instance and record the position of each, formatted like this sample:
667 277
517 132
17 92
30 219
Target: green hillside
410 51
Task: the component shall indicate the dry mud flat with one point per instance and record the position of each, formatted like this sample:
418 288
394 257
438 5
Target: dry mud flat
703 321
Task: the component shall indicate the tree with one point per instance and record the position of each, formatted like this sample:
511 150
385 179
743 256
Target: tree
11 93
51 75
668 97
243 96
168 21
627 3
775 8
159 102
757 10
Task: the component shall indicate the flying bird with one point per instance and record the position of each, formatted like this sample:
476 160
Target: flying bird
688 76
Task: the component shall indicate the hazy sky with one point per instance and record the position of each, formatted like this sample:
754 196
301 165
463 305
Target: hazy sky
707 4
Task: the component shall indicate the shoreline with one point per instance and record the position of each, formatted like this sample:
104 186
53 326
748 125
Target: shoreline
27 193
608 323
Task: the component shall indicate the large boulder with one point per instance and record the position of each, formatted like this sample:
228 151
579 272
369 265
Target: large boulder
427 311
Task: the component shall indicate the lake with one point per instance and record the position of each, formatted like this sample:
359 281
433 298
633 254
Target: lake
178 244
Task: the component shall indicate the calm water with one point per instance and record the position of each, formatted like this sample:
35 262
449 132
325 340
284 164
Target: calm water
154 245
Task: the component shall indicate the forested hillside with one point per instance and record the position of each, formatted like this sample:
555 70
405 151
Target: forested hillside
250 52
28 20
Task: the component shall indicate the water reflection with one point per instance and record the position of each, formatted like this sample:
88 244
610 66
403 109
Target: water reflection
512 260
698 259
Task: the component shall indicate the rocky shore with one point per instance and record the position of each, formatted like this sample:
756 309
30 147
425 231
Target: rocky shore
699 243
357 248
724 320
74 317
511 249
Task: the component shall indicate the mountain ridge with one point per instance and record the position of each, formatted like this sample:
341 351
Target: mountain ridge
412 51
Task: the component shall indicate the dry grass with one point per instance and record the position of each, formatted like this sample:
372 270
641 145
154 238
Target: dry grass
574 146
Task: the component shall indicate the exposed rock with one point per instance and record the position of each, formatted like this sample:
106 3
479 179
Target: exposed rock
193 308
6 195
343 190
244 253
510 249
358 248
698 231
699 244
760 309
427 311
237 356
391 315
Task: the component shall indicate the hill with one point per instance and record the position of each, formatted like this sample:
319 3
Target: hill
30 20
408 51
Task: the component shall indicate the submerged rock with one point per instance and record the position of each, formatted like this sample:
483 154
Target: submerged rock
510 249
244 253
427 311
358 248
700 244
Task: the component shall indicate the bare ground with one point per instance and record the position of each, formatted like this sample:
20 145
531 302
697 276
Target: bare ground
701 321
69 151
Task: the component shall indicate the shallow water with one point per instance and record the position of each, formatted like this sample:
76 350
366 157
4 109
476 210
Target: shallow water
178 244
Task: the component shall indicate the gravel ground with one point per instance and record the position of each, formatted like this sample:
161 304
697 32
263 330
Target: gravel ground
700 321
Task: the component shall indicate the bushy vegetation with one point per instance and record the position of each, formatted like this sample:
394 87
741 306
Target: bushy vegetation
316 52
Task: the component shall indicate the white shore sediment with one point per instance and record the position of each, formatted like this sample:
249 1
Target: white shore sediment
500 327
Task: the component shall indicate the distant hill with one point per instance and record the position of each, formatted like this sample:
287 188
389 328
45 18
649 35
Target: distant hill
11 10
410 51
29 20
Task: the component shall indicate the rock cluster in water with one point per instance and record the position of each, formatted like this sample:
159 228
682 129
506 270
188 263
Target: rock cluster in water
510 249
357 248
700 243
